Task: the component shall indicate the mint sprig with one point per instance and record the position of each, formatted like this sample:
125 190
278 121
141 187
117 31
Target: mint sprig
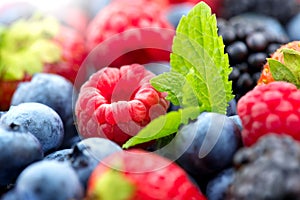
288 71
198 79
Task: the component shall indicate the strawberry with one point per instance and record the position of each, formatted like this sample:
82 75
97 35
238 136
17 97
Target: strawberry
271 108
141 34
140 175
266 75
35 45
116 103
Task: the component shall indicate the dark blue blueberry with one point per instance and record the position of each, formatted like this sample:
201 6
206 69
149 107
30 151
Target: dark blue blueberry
40 120
175 12
205 146
85 155
54 91
88 153
217 187
18 149
158 68
48 180
60 155
237 120
172 107
293 28
231 108
10 195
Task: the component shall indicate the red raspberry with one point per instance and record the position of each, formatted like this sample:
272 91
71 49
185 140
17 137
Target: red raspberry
271 108
140 175
112 25
116 103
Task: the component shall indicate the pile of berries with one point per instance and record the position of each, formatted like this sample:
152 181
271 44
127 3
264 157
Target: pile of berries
65 119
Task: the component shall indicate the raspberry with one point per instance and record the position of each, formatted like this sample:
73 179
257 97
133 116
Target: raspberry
112 25
117 103
271 108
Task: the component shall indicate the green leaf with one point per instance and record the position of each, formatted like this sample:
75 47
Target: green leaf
281 72
172 83
198 79
163 126
198 55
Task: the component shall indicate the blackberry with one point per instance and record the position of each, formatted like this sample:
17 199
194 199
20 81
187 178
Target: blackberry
268 170
281 10
249 39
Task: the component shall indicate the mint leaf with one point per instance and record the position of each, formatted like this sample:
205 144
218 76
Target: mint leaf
172 83
198 79
198 55
163 125
282 73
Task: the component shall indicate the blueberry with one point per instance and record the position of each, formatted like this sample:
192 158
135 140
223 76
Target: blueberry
217 187
60 155
205 146
54 91
85 155
293 28
175 12
48 180
88 153
158 68
40 120
18 149
231 108
173 107
237 120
